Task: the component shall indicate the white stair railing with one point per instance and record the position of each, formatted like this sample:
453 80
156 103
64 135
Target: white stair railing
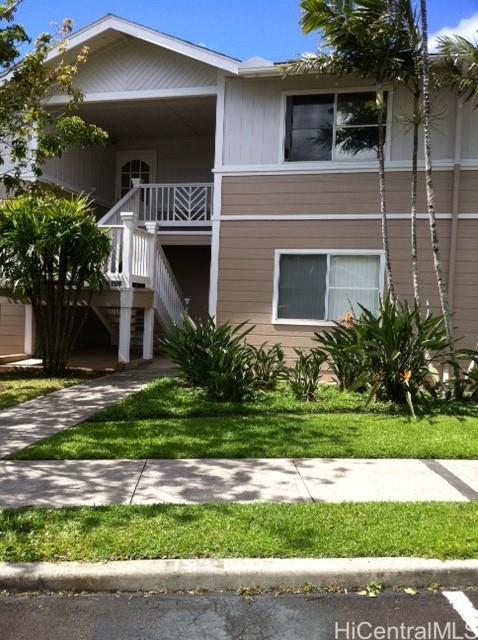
169 301
138 258
130 203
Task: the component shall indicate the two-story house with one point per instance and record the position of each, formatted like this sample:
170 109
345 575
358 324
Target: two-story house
227 189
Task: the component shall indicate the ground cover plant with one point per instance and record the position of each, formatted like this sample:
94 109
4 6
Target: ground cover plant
438 530
19 387
169 419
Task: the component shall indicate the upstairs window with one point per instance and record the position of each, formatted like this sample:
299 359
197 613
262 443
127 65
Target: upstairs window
317 286
332 127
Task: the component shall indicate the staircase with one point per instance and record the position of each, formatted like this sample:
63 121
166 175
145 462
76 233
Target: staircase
137 262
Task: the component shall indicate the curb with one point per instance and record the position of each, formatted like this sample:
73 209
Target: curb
235 573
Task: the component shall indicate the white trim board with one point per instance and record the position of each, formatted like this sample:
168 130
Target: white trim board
328 252
342 216
326 167
217 197
147 94
115 23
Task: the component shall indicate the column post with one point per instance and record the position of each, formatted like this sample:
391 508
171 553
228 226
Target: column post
130 222
29 330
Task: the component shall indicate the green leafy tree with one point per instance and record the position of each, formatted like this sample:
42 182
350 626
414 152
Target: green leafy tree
52 255
30 132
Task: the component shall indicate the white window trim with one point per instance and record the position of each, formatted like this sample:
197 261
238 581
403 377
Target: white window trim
329 253
335 91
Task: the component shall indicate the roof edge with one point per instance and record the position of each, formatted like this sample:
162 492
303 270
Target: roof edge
183 47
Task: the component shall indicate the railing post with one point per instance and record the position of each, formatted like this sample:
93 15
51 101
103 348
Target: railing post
129 221
152 227
148 330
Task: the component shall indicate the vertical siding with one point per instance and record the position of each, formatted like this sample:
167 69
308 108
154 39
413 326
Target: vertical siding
12 328
179 159
91 171
254 113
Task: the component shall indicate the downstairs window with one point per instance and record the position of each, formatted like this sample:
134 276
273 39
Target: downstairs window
323 286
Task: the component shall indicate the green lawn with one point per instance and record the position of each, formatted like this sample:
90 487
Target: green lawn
169 420
439 530
270 436
19 387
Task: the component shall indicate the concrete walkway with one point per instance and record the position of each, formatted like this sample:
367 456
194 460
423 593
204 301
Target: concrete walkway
101 482
42 417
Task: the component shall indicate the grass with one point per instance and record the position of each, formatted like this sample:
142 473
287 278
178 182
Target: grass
169 398
19 387
272 436
439 530
170 420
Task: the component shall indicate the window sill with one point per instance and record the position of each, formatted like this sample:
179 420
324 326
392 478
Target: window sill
303 323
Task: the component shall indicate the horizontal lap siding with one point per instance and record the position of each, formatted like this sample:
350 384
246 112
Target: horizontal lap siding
469 192
331 194
12 328
246 266
466 279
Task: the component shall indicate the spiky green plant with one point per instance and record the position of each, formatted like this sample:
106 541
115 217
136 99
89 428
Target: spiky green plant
52 255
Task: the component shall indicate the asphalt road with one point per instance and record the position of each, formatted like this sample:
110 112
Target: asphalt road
226 616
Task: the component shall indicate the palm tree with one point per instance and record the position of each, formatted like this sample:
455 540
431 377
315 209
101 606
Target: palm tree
412 81
461 57
442 288
368 38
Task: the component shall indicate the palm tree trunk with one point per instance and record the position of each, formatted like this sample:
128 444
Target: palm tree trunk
381 179
413 198
442 288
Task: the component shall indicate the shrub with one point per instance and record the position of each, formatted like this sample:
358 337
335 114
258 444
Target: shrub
214 358
399 346
268 366
345 357
469 377
52 255
304 376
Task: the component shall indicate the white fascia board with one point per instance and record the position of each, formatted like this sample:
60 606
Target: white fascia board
147 94
153 37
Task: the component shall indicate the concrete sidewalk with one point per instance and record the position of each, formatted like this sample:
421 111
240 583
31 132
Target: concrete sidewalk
42 417
102 482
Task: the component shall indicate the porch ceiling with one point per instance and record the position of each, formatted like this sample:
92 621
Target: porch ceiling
165 118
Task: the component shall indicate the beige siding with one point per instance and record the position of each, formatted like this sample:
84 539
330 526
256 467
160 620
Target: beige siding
335 193
469 192
466 282
12 328
246 267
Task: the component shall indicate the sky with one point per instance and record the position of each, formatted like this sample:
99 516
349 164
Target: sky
239 28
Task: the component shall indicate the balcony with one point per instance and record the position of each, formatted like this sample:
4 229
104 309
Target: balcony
170 205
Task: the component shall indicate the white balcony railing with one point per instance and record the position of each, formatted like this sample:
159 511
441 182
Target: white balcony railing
171 205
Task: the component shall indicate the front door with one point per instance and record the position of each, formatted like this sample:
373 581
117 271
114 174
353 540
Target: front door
134 164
